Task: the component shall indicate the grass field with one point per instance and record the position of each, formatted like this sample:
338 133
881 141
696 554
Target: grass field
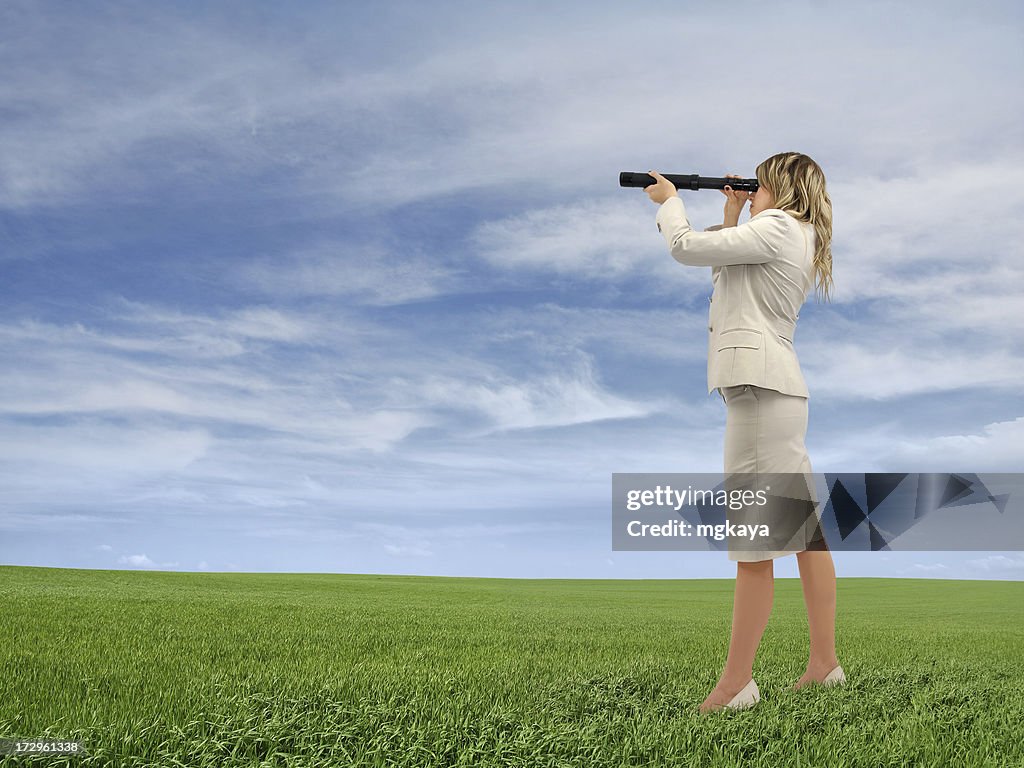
182 669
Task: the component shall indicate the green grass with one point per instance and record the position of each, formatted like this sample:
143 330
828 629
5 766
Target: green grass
180 669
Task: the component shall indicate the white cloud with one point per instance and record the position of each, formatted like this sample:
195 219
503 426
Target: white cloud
999 564
882 366
516 101
102 449
925 568
999 448
364 276
594 239
137 561
74 372
408 550
549 401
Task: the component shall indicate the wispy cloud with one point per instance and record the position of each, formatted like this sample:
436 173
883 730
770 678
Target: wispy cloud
370 276
999 565
926 569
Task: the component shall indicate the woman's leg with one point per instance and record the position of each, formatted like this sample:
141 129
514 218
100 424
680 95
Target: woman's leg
752 605
755 581
818 577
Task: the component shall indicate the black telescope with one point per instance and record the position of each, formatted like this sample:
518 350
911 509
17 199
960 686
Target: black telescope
687 181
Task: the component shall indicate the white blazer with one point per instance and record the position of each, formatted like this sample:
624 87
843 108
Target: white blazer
762 271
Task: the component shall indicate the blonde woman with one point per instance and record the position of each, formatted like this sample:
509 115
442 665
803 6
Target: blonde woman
762 271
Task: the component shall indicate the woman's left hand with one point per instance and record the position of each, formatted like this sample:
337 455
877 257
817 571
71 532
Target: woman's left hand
662 190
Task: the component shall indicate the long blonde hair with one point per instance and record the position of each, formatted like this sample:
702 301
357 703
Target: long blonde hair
798 185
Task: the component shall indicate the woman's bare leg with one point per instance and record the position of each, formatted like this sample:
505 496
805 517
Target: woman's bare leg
752 605
818 578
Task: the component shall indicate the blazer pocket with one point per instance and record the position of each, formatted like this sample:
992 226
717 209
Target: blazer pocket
739 337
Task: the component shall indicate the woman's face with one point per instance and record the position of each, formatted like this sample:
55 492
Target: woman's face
761 201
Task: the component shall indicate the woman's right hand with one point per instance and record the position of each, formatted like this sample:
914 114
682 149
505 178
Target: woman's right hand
734 200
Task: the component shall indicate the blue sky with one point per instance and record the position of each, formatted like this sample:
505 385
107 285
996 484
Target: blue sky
349 287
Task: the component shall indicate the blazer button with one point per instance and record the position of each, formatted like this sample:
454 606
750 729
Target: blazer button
710 328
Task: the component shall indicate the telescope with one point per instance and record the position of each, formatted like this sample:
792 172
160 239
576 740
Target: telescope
687 181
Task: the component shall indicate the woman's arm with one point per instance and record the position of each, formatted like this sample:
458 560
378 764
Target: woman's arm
754 242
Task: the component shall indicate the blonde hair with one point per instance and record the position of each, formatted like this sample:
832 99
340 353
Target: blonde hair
798 185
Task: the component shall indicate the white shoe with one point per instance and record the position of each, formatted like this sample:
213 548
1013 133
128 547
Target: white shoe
835 677
747 697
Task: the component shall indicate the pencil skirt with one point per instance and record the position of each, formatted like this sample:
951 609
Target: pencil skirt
764 446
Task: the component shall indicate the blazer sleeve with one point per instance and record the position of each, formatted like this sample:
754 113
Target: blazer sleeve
754 242
714 270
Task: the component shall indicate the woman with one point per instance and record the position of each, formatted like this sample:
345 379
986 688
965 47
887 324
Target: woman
762 272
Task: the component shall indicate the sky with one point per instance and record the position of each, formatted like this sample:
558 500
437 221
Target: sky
352 288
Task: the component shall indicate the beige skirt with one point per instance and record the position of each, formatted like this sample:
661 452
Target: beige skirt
764 447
